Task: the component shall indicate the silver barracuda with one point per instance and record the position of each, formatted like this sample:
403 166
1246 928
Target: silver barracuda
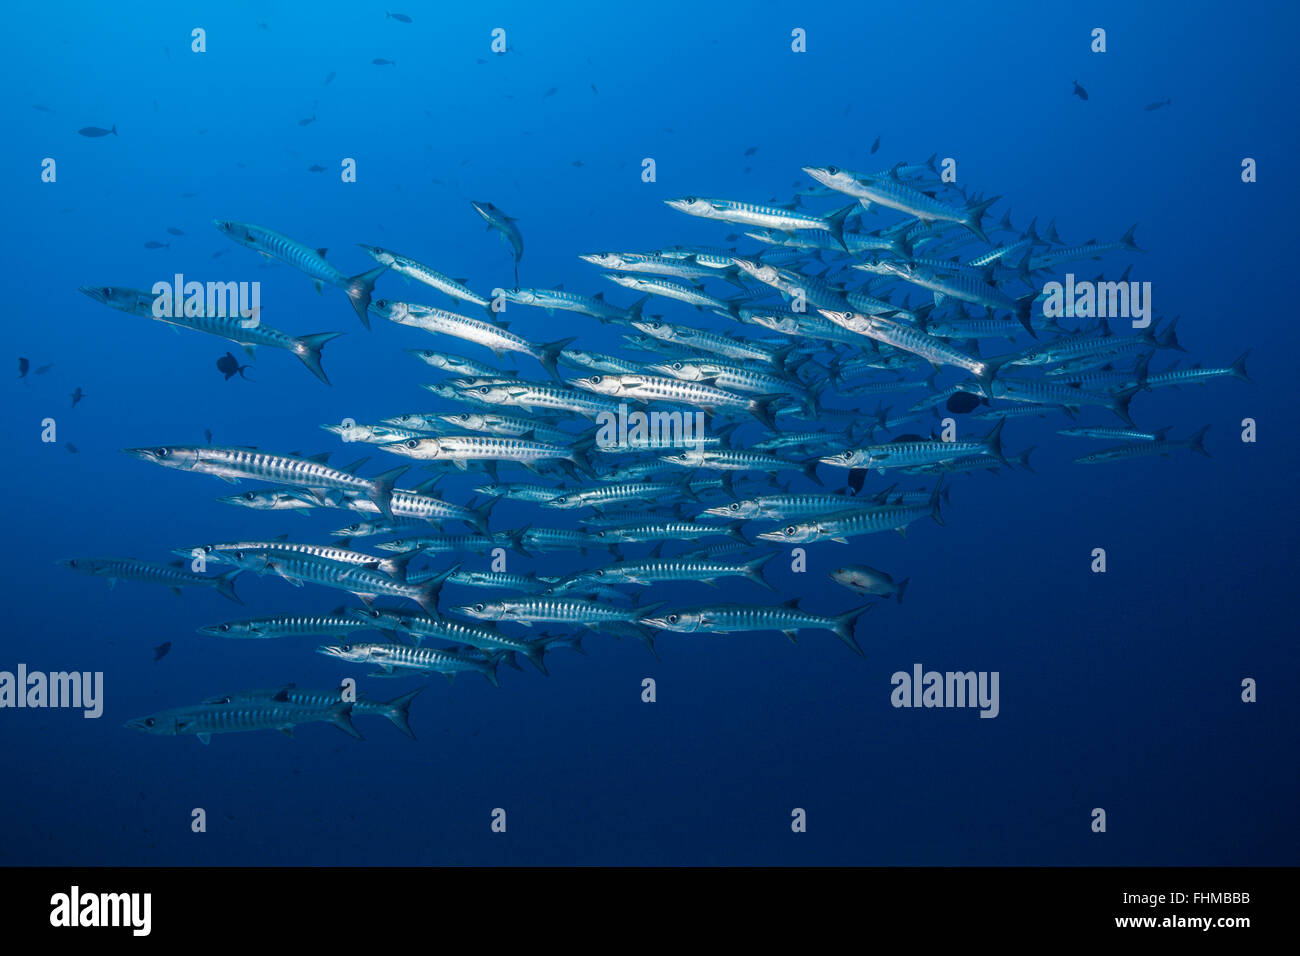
677 569
173 576
204 720
456 288
594 306
478 636
894 193
650 388
234 464
404 661
766 217
505 225
242 331
335 624
841 525
396 710
273 245
365 583
787 618
1145 449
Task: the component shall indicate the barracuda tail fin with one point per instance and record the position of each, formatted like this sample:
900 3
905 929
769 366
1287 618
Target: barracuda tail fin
491 665
1024 307
754 570
1238 368
1127 240
809 469
395 567
902 586
341 717
1197 442
835 223
1022 460
398 711
479 520
225 584
761 408
1120 405
549 355
427 596
360 288
844 624
973 215
993 441
735 532
935 496
383 494
308 349
535 652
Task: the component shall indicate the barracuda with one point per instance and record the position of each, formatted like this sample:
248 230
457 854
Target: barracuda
842 525
731 377
654 264
1090 250
734 348
1199 376
576 358
787 618
173 576
456 288
799 326
934 350
1047 393
406 660
594 306
890 191
674 290
233 464
529 395
767 217
455 632
535 610
462 449
336 624
396 710
505 225
453 364
967 289
411 504
649 388
307 348
677 569
273 499
205 720
783 506
441 543
1115 434
507 426
273 245
670 531
239 554
1145 449
518 492
648 491
794 285
491 335
912 453
372 434
727 460
365 583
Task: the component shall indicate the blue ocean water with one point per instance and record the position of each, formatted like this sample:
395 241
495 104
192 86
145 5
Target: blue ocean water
1119 691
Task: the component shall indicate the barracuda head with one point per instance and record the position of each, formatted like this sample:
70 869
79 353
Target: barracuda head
161 723
272 499
760 271
482 611
681 621
427 448
791 534
691 458
231 629
357 653
378 254
398 312
169 456
563 502
691 205
600 384
830 176
606 260
748 508
117 297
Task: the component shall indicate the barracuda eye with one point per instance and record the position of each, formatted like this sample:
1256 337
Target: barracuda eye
347 647
483 390
161 452
248 496
225 627
832 170
478 607
734 506
563 500
239 556
107 291
790 530
597 379
600 573
672 618
412 443
381 303
677 366
149 721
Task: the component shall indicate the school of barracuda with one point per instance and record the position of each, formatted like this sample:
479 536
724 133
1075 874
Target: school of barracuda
761 342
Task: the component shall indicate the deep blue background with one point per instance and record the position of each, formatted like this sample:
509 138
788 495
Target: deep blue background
1119 691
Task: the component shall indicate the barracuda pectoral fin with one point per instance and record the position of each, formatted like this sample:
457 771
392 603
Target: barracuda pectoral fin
205 739
228 479
319 289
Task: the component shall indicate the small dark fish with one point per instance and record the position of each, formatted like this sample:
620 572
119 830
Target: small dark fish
857 478
207 435
308 121
77 396
329 78
1079 91
963 402
751 151
577 162
94 131
217 255
43 109
229 366
23 366
1156 105
749 169
380 61
44 368
154 244
594 90
399 17
875 146
174 231
161 650
262 25
71 447
315 168
551 92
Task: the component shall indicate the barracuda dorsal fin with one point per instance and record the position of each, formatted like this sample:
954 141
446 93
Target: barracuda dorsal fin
352 468
793 603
